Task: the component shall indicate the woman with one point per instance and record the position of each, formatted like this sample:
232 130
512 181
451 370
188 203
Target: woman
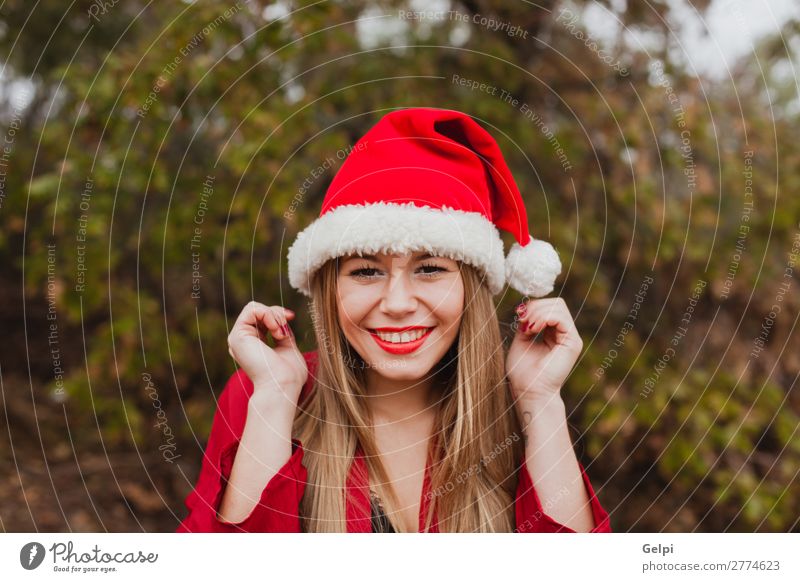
409 416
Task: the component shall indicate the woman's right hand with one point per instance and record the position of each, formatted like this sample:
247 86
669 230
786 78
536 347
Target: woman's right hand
282 367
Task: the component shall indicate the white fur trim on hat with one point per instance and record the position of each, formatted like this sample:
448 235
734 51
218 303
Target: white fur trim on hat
397 228
532 269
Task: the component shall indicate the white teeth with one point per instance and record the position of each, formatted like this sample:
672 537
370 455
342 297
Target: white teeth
401 338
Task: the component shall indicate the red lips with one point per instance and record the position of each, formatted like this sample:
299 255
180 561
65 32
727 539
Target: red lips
404 348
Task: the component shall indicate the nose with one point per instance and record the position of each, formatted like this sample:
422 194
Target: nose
399 296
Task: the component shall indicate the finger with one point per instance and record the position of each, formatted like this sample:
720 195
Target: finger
287 339
527 317
523 322
288 316
537 326
284 313
527 308
557 325
521 312
554 319
247 322
533 327
255 319
526 304
553 314
279 314
285 335
549 307
281 333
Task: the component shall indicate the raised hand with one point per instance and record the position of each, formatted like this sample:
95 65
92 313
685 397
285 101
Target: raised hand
541 368
281 367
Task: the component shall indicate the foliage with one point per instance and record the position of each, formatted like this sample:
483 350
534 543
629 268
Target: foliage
257 101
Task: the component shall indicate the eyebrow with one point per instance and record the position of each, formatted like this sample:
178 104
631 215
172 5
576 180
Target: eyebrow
374 258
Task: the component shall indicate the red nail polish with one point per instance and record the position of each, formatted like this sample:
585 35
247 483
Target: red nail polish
525 326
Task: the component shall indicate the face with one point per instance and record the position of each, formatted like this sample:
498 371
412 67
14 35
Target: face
401 313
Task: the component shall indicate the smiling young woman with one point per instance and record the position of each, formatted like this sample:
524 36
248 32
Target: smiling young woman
410 415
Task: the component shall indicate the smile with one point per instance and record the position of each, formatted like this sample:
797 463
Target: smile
400 341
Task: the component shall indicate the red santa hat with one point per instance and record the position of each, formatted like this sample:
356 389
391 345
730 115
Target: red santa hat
432 180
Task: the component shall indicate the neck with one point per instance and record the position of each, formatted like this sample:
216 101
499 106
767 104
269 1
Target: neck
400 401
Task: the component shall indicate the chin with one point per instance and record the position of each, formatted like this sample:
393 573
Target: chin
401 369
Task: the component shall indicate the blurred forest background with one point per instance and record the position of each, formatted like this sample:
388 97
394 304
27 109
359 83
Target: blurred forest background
159 157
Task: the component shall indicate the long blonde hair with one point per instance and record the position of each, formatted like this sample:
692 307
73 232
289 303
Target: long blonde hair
477 438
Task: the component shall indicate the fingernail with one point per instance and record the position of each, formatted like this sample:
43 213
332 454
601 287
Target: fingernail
525 326
521 308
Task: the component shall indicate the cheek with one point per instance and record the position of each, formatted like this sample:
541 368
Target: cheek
354 303
448 302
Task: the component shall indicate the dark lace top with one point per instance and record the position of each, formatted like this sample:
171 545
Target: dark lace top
380 523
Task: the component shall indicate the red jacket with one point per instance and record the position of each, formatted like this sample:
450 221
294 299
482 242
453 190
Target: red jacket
277 510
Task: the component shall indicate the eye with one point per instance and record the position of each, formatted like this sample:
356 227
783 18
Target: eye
364 272
433 270
367 272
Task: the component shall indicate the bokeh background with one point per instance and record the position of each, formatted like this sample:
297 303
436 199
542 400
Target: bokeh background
158 158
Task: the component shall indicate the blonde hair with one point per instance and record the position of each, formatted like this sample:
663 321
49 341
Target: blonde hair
476 443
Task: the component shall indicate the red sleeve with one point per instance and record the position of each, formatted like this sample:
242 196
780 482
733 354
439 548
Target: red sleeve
531 516
278 507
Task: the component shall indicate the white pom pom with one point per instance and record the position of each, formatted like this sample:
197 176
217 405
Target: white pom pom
532 269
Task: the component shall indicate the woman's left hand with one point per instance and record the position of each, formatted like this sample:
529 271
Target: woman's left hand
538 369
